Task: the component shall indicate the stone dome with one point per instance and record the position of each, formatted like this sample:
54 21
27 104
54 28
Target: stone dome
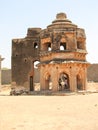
61 16
61 19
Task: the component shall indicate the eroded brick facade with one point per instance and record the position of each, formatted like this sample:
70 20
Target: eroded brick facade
61 52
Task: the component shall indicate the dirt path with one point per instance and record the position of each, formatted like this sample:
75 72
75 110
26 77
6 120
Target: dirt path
77 112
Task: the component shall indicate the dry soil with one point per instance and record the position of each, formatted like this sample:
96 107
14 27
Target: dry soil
75 112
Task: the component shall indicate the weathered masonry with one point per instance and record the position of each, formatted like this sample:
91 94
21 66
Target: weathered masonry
61 52
0 67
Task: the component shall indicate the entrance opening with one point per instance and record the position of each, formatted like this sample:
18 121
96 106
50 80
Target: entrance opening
31 83
79 82
63 82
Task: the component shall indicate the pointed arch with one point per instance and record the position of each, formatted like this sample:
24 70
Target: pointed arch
63 42
64 81
48 81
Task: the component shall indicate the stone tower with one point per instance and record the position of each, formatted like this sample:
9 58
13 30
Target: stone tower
61 51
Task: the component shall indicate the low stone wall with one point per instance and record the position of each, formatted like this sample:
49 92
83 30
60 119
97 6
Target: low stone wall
92 86
92 73
6 76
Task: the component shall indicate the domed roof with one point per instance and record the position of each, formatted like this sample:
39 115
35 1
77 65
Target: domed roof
61 21
61 17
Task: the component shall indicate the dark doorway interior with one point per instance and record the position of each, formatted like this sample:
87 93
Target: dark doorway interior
31 83
64 82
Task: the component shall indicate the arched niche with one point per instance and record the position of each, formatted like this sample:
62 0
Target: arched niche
48 81
80 45
79 82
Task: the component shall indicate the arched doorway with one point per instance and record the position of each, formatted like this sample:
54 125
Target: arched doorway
79 82
64 82
36 76
48 82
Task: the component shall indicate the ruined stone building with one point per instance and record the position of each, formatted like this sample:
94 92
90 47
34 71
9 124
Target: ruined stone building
0 68
61 52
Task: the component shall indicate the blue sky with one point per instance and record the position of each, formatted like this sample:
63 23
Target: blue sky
16 16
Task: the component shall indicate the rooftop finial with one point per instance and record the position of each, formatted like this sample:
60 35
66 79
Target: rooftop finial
61 16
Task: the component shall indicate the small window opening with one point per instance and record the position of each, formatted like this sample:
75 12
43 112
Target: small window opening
63 46
36 63
35 45
49 47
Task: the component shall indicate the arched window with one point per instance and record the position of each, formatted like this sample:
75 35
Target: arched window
46 46
63 46
36 63
35 45
49 46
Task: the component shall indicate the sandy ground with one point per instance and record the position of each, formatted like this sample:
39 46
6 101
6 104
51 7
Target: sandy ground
75 112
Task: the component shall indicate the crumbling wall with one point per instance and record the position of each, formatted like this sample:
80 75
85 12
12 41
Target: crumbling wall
6 76
92 73
24 52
